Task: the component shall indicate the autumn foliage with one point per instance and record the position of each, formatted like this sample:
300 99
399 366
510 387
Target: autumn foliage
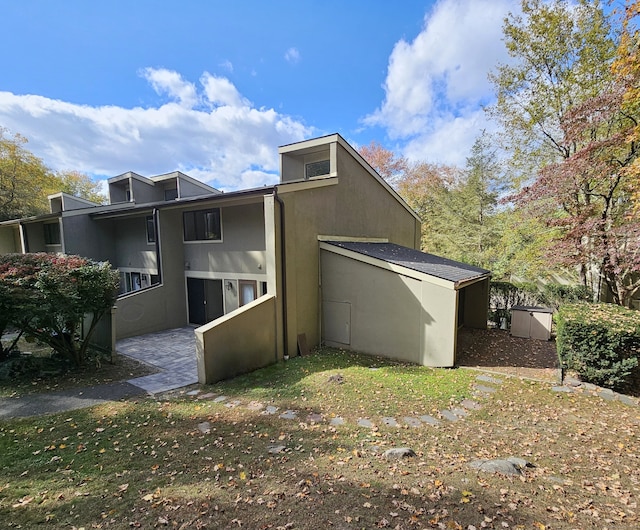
48 296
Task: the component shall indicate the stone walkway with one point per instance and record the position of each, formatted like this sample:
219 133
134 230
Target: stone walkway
484 387
172 352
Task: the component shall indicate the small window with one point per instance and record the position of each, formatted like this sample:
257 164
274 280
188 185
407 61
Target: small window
52 234
248 290
127 192
316 169
151 229
202 225
170 195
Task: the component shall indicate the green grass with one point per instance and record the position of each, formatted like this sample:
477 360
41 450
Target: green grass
146 464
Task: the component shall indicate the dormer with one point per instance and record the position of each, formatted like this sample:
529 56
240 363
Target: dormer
309 160
63 202
177 185
130 187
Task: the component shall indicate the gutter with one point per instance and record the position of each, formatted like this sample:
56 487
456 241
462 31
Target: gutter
158 256
283 256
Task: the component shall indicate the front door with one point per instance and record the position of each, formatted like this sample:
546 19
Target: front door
205 300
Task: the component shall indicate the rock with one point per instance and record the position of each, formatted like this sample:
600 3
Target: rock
276 449
288 415
336 378
204 427
399 452
509 466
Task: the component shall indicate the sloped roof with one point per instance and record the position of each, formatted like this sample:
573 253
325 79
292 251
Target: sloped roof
446 269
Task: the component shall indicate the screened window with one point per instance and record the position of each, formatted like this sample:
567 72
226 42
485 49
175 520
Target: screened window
151 229
316 169
202 225
52 234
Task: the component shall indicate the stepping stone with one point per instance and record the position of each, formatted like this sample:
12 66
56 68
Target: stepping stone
255 406
448 415
314 418
233 404
470 404
270 410
193 393
220 399
565 389
288 415
399 452
489 379
429 419
390 422
275 449
460 412
337 421
485 389
208 395
364 422
204 427
412 422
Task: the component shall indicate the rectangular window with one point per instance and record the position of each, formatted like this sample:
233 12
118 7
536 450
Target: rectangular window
170 195
52 234
202 225
151 229
317 169
247 290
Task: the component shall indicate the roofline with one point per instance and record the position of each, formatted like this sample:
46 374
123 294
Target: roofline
336 137
63 194
126 208
401 269
183 176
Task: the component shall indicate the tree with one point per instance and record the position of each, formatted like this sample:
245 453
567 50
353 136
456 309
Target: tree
561 55
25 181
80 185
49 296
389 165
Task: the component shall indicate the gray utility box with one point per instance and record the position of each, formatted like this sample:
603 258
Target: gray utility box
531 322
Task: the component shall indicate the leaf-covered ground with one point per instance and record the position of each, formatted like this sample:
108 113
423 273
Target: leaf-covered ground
187 461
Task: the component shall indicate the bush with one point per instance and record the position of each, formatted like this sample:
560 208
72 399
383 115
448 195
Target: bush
47 296
601 342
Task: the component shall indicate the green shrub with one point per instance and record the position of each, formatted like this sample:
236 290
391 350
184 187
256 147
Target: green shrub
601 342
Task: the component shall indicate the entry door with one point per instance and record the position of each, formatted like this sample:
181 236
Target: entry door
205 300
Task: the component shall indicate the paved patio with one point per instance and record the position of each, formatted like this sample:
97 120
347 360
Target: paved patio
173 352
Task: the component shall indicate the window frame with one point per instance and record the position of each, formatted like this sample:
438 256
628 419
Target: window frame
151 234
48 233
200 231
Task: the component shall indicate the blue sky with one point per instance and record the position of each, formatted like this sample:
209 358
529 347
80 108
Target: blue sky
213 87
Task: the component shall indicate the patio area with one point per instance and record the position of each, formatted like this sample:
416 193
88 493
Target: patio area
171 352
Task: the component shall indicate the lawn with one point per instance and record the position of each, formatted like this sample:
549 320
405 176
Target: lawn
189 461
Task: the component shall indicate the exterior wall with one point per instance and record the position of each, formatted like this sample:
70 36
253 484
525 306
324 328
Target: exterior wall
386 313
35 238
352 205
242 249
476 306
164 306
131 247
143 192
10 240
86 237
188 189
239 342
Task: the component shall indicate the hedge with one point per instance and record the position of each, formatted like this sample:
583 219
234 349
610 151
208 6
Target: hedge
601 342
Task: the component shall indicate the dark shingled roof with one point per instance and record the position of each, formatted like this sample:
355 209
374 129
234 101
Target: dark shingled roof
447 269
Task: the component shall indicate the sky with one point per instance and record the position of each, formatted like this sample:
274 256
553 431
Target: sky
213 87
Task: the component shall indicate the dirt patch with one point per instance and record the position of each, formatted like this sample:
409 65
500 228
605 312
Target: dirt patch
498 351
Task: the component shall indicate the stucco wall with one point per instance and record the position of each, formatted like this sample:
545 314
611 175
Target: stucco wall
10 240
356 206
389 314
87 237
476 306
242 341
242 249
131 247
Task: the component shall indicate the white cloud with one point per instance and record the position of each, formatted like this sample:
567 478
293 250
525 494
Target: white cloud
292 55
436 83
212 133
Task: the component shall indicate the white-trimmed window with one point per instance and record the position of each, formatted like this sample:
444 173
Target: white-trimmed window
317 169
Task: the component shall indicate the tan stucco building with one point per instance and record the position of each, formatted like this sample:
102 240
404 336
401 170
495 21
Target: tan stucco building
251 270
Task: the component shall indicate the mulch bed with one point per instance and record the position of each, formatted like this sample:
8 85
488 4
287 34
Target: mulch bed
497 351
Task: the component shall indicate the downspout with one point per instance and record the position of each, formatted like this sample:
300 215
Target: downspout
158 258
283 256
24 239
